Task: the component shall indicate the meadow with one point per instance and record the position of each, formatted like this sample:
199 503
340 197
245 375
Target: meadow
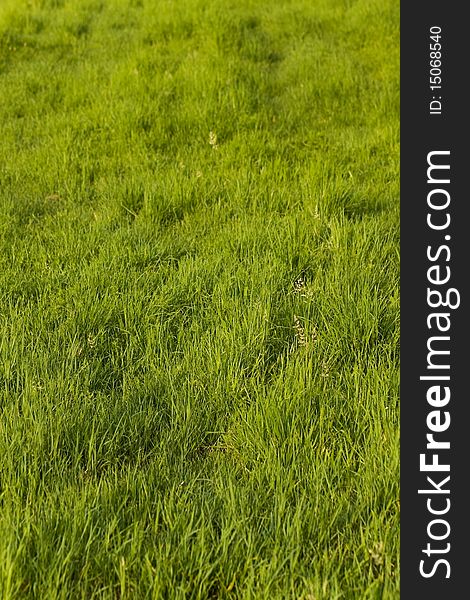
199 315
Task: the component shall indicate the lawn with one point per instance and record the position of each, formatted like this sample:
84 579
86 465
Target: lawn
199 316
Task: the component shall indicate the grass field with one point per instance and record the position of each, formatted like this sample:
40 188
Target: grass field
199 319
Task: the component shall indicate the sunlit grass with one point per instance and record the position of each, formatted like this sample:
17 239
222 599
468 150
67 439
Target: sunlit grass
199 299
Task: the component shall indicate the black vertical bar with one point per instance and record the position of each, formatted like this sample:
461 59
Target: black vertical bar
435 259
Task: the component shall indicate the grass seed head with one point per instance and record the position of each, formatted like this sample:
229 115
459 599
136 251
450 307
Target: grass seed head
213 139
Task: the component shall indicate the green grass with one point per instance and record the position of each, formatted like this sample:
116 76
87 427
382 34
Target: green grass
199 331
